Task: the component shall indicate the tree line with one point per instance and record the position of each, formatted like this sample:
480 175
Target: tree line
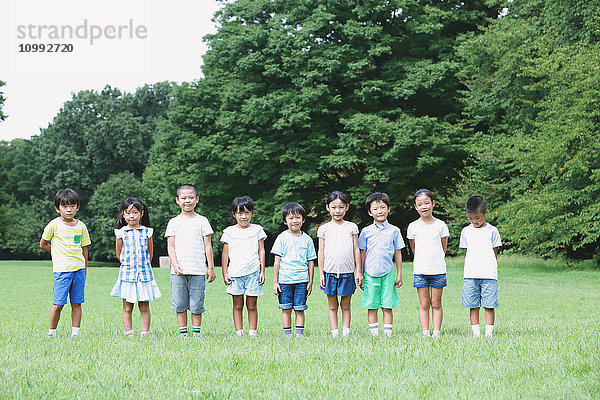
299 98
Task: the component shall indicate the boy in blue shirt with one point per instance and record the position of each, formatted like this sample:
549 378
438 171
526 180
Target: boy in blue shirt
293 269
380 244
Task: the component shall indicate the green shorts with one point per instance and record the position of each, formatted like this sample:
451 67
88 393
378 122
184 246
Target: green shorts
380 292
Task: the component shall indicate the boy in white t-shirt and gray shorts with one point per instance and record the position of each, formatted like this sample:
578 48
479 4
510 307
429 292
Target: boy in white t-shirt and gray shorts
190 251
480 286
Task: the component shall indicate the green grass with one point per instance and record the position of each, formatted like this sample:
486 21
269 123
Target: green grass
546 344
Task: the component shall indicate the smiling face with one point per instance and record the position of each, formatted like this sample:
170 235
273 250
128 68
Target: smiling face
187 200
424 206
243 218
132 216
337 209
379 211
294 222
67 211
477 219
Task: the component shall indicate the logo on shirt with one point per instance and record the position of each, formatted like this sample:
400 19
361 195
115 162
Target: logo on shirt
77 239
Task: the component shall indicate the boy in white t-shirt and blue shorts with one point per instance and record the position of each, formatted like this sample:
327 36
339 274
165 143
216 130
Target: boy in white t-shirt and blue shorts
480 286
190 251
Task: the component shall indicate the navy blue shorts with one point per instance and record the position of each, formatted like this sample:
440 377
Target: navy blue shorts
293 295
339 285
434 281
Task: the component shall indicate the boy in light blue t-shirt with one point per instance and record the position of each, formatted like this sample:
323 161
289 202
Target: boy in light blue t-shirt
293 269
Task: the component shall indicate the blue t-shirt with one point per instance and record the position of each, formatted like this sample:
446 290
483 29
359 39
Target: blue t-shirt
381 243
295 253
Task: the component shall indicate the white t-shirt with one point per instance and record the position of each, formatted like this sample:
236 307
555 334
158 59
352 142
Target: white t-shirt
429 254
480 261
189 242
243 249
339 246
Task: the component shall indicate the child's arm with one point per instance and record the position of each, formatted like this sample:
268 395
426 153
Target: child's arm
276 287
363 256
311 275
321 262
150 247
173 255
45 245
412 245
118 247
357 261
444 244
224 263
496 252
84 252
398 259
262 256
209 258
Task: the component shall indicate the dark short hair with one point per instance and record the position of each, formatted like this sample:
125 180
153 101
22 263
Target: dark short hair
377 196
66 196
425 192
187 186
242 203
293 208
336 194
476 204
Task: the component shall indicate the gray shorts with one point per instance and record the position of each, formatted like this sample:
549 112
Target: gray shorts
188 293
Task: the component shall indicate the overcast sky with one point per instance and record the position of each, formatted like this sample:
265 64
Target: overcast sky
122 43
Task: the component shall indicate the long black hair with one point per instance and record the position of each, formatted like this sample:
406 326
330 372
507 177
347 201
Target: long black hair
141 207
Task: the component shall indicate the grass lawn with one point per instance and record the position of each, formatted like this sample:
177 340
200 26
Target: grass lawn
546 343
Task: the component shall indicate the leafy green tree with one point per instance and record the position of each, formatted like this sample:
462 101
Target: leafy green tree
2 100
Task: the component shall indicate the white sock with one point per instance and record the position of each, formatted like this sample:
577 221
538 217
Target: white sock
345 331
252 332
335 333
374 328
488 330
128 332
425 333
239 332
144 333
75 331
387 329
436 333
52 332
476 331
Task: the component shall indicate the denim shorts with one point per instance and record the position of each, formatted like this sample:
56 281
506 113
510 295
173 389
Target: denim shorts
434 281
247 284
188 293
70 284
293 295
339 285
480 292
380 292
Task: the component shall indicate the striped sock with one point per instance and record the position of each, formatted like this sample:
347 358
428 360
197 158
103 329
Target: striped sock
387 329
183 331
287 331
196 331
299 330
374 328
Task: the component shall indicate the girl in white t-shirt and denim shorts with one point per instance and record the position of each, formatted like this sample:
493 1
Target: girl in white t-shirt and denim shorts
428 238
243 263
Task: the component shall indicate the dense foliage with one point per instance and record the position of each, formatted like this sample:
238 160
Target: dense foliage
300 98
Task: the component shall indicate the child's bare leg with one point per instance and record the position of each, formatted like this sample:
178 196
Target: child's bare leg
436 308
286 318
346 314
238 308
76 315
196 319
474 316
424 304
144 307
332 302
372 315
55 315
252 312
388 316
490 316
299 317
127 318
182 319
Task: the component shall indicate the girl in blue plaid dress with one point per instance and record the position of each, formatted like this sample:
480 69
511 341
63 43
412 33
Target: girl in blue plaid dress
134 247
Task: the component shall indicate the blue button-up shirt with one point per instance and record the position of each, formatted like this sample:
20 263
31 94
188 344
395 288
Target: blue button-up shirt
381 243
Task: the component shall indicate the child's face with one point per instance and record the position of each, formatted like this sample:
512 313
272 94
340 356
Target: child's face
294 222
243 217
337 209
67 211
379 211
424 205
187 200
477 219
132 216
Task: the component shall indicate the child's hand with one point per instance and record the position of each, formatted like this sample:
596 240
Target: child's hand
226 279
211 274
276 288
322 281
399 281
308 289
177 269
261 278
360 280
